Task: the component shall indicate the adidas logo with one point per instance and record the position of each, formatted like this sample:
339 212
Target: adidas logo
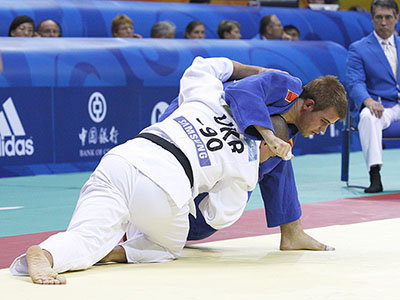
12 132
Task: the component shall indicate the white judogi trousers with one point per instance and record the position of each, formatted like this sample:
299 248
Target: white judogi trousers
117 194
370 129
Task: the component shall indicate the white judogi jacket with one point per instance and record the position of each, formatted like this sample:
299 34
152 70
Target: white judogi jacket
224 163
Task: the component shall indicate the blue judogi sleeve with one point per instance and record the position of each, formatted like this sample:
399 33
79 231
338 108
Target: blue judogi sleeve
254 99
279 193
278 189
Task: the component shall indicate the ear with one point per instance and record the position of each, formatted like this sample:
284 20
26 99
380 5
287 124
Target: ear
309 104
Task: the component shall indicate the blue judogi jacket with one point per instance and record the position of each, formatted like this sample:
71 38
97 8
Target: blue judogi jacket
252 101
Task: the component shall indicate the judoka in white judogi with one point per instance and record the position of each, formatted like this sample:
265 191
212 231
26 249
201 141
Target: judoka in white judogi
141 183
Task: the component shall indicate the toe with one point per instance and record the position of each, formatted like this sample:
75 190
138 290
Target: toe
61 279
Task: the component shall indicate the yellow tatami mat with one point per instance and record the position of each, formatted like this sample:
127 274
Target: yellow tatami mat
365 265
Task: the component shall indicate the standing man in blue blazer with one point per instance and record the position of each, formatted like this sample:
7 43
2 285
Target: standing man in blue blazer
374 86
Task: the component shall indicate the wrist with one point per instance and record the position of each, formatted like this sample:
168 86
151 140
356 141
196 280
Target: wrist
367 102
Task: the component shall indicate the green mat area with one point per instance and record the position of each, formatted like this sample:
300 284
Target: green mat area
47 201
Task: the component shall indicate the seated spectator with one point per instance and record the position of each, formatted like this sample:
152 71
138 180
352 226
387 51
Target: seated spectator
49 28
22 26
292 31
229 29
122 26
163 30
195 30
270 28
372 84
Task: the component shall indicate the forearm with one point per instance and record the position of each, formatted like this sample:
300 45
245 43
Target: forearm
266 133
241 70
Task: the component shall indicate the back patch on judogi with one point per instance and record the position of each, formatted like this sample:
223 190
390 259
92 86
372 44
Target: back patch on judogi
291 96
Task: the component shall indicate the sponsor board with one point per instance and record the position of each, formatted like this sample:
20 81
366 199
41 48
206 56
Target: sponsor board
13 141
25 126
91 121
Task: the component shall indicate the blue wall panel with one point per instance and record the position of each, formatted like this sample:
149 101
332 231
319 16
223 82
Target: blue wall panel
78 97
28 118
93 18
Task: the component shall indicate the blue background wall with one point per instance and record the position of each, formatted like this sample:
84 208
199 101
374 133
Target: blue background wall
93 18
127 83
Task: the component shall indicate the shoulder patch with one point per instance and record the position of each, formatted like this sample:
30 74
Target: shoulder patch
290 96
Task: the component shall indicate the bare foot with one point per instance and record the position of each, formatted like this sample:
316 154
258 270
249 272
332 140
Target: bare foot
116 255
40 269
293 237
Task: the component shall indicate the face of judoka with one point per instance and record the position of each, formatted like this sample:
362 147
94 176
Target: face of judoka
312 122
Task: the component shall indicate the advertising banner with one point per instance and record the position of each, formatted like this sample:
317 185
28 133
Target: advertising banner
25 126
89 121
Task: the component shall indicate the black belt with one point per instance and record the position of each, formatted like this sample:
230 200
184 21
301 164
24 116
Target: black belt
175 151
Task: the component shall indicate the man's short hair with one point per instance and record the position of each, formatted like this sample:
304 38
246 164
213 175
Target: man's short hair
264 23
326 91
58 25
162 29
118 20
291 27
391 4
226 26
